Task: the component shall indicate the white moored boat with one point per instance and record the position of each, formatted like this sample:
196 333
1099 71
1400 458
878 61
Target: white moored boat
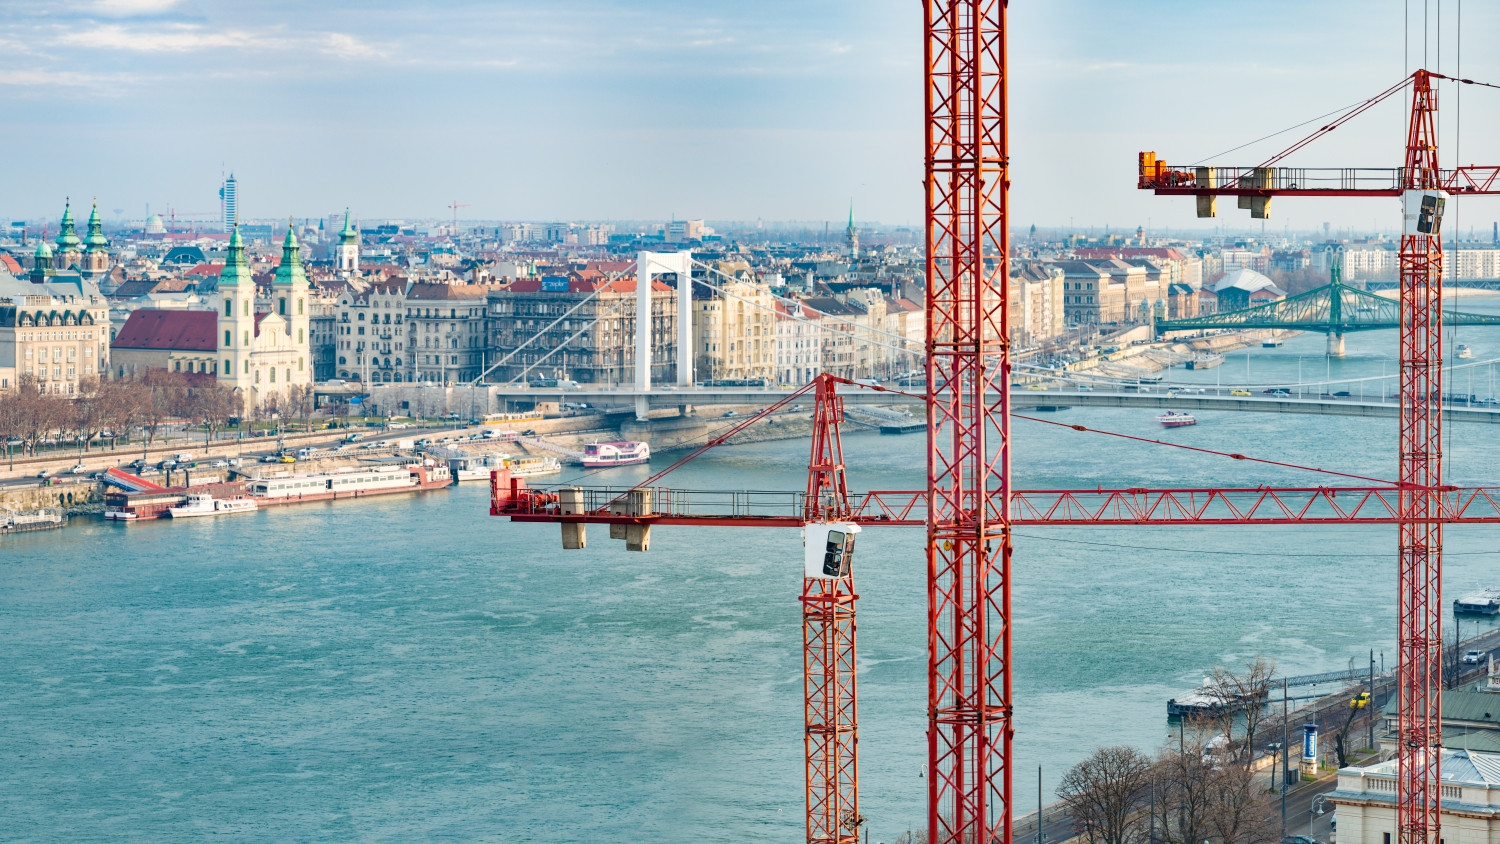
203 504
1173 419
599 455
1463 351
532 466
1483 602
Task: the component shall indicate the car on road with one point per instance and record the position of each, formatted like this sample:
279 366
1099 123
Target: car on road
1473 657
1035 387
1300 839
44 473
1239 392
1084 388
373 445
286 458
1280 394
78 469
219 464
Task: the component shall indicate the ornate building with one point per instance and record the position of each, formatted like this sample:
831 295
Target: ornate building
52 328
263 355
346 254
69 248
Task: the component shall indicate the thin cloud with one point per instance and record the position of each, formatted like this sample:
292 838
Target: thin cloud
132 8
191 38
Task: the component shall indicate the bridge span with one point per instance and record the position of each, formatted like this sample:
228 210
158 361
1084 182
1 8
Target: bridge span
1022 399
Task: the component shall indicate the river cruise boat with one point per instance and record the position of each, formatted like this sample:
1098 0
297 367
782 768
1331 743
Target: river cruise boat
203 504
1463 351
1208 361
600 455
532 466
350 483
120 514
1483 602
1173 419
479 467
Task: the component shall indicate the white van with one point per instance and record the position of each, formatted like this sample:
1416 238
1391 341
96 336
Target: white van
304 453
184 457
567 385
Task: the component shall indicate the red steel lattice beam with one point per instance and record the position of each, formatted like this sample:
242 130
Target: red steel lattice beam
830 710
968 474
1419 643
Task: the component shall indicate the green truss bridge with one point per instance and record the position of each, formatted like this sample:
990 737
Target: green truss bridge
1334 310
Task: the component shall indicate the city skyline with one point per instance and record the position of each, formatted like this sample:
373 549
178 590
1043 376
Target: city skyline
662 110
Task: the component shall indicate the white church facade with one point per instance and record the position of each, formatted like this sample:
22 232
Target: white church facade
263 355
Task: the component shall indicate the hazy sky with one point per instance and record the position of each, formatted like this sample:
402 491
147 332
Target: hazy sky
779 109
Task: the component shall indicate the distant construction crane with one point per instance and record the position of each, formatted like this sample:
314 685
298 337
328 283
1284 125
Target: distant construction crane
455 205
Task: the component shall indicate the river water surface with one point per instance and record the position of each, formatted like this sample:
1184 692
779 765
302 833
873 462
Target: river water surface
408 668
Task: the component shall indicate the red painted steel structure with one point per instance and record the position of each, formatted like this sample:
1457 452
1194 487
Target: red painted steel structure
968 423
1420 536
831 712
969 506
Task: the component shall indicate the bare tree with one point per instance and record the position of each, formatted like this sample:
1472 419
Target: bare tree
88 411
1104 794
1239 698
300 402
211 406
1237 812
1181 779
122 404
165 398
37 413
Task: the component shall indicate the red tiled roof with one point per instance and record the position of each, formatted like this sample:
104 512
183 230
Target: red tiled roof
206 270
187 331
10 264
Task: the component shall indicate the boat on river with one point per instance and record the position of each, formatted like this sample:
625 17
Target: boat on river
203 504
1208 361
1463 351
1173 419
601 455
1483 602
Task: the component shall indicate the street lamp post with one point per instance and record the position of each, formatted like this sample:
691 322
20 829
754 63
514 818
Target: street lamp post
1313 811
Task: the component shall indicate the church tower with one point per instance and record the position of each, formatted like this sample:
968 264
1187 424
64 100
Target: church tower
346 254
236 319
851 236
41 269
96 257
289 292
69 247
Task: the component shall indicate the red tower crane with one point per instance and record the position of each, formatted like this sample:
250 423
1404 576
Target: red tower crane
1424 189
969 505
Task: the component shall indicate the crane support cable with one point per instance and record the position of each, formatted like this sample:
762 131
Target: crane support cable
1088 430
1359 109
1230 455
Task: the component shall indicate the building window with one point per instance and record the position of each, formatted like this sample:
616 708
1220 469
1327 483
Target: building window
246 309
247 339
247 367
281 306
226 366
229 308
273 375
228 338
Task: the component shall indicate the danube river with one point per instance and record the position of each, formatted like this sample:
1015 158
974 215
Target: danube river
413 668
